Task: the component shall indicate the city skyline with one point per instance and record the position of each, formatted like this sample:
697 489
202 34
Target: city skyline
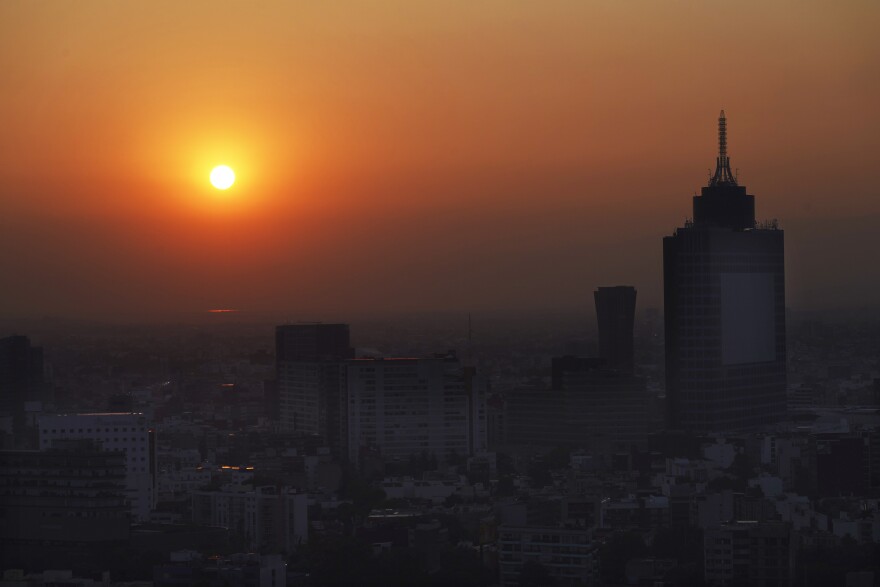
513 158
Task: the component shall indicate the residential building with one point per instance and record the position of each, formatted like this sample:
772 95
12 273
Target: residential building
268 519
404 406
311 380
129 433
751 553
21 381
236 570
73 493
570 555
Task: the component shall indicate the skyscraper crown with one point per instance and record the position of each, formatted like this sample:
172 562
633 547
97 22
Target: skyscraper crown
723 175
724 203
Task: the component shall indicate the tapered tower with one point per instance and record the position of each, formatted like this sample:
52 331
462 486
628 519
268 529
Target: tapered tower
724 308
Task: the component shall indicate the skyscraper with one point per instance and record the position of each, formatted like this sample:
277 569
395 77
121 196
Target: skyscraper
724 304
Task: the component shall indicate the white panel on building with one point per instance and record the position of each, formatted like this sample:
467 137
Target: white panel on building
748 322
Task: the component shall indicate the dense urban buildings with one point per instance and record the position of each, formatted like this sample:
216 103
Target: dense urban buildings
569 555
724 299
750 553
269 519
72 493
193 456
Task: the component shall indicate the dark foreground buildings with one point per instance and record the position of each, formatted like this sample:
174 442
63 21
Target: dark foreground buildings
21 382
65 501
724 296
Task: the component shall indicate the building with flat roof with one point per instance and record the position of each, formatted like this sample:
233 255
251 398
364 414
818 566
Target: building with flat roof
750 553
570 555
268 519
21 381
310 375
406 406
129 433
71 494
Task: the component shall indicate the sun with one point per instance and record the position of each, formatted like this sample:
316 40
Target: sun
222 177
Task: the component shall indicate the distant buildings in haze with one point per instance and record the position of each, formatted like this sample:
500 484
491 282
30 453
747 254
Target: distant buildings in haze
594 403
394 407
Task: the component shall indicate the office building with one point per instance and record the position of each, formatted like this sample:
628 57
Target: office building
21 381
72 493
749 553
403 407
570 555
129 433
615 313
724 303
268 519
310 380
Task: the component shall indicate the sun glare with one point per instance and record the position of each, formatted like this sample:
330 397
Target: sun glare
222 177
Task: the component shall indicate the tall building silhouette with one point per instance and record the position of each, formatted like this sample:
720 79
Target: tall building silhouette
615 313
724 304
21 381
311 380
399 407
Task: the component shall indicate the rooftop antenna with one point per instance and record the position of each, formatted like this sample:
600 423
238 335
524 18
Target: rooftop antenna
723 175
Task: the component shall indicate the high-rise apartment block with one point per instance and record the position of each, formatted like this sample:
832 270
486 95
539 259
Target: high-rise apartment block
310 361
391 407
129 433
401 407
21 381
724 302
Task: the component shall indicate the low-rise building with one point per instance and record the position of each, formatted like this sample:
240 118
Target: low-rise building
267 518
570 555
757 553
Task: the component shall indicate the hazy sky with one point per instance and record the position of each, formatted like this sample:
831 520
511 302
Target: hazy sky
421 155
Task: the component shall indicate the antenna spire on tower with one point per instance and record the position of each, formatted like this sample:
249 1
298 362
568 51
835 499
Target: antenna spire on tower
723 175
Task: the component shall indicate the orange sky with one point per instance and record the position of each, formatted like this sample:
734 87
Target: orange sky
420 155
